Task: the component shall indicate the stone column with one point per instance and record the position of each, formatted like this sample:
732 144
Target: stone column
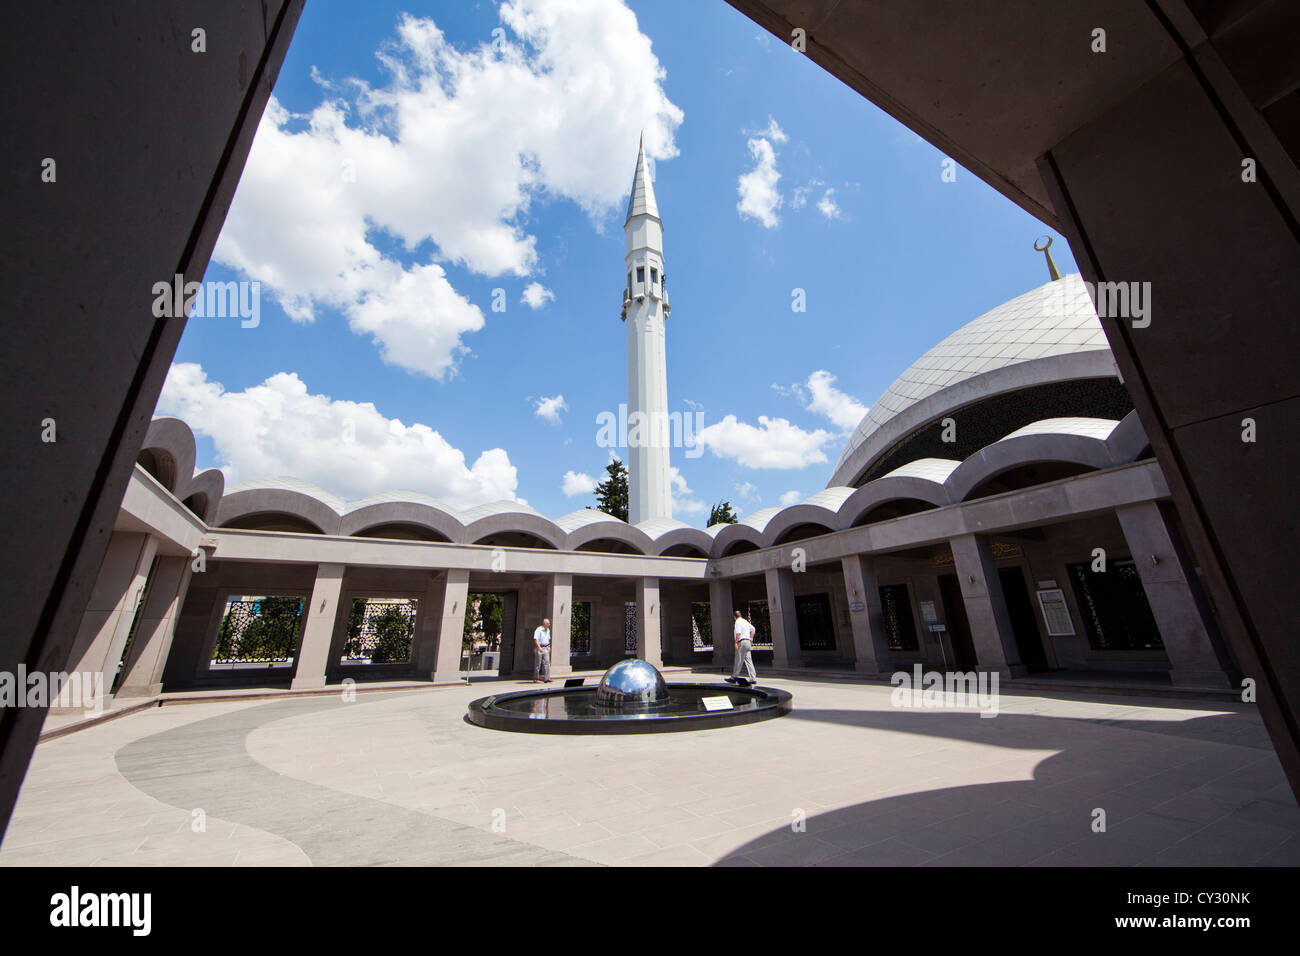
147 656
428 624
112 605
322 609
986 607
451 628
870 643
722 615
560 602
1193 662
648 612
780 611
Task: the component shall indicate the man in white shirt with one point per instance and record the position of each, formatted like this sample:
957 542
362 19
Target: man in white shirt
542 662
744 651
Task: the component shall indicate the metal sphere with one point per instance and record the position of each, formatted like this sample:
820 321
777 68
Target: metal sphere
631 682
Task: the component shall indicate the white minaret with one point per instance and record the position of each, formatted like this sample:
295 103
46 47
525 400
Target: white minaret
645 309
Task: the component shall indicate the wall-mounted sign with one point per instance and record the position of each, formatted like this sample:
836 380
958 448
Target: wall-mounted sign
1055 614
938 628
1048 583
857 606
928 614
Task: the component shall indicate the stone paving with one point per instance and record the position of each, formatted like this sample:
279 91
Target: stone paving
846 779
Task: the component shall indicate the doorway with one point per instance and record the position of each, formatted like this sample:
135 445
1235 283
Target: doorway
1024 623
954 613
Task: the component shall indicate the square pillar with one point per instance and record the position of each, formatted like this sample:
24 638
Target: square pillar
648 640
722 617
560 602
147 656
428 624
322 609
110 612
451 626
986 607
780 611
870 644
1192 658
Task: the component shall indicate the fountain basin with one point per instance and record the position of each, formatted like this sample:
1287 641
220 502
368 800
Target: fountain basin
580 710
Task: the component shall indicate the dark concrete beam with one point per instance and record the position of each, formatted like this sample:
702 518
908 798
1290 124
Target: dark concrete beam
149 139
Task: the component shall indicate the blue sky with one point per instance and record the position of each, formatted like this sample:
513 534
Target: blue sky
408 167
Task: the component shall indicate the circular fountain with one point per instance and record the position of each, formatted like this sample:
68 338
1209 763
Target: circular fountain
632 698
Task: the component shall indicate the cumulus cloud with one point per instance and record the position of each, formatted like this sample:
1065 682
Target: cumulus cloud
350 449
577 483
790 498
550 408
537 295
773 443
828 207
759 196
451 150
819 395
824 398
683 499
746 490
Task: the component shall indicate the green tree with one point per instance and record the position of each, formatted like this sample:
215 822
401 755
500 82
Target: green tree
483 612
722 513
611 494
393 631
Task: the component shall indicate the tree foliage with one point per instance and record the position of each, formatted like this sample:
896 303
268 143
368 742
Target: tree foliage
611 494
722 513
483 614
272 634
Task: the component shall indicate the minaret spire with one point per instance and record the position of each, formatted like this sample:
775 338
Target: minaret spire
642 201
645 309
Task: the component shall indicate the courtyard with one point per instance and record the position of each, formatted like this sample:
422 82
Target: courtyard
846 779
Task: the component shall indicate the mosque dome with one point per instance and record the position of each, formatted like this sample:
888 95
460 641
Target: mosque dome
1038 356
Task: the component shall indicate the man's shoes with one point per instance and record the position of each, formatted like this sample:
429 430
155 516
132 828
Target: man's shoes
730 680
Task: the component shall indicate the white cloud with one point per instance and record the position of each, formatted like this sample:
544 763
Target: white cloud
828 207
537 295
824 398
790 498
774 443
683 499
550 408
348 448
451 150
759 196
577 483
746 490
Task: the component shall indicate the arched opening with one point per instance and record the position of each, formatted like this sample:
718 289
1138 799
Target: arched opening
273 521
893 509
402 531
608 546
198 504
1026 476
515 539
739 547
160 464
799 532
684 551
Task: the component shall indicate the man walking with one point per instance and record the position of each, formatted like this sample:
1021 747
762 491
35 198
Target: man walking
744 651
542 662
